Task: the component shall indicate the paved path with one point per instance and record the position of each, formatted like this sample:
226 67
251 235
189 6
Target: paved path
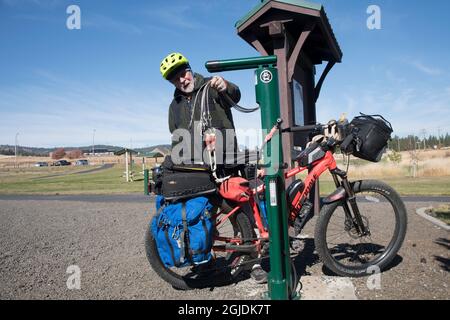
103 167
41 237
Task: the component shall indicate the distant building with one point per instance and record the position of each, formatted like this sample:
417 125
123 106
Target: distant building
162 151
155 153
98 152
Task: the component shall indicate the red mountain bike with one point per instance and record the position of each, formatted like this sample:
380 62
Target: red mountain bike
361 225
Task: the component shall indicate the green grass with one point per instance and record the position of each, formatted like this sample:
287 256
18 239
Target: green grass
435 186
32 181
442 212
111 181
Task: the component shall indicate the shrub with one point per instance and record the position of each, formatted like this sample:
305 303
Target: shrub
74 154
58 154
395 157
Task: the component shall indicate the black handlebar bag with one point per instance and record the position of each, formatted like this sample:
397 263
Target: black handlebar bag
368 138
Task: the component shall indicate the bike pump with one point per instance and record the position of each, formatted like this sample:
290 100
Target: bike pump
267 96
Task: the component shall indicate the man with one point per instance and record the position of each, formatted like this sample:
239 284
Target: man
184 113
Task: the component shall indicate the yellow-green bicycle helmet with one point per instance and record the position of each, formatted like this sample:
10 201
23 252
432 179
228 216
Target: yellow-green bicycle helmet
171 63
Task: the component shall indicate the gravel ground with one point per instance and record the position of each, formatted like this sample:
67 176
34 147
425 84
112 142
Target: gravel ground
40 239
420 270
423 265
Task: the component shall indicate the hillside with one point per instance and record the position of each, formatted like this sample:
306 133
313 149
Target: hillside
36 151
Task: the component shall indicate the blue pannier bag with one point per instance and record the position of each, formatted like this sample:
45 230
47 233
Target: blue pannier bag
183 231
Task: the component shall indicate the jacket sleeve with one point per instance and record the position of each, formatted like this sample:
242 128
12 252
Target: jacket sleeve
172 126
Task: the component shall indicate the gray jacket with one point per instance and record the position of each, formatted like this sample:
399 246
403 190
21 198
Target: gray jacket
180 114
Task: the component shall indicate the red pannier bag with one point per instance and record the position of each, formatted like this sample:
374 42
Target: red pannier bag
236 189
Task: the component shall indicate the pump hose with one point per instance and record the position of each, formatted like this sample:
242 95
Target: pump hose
238 107
294 279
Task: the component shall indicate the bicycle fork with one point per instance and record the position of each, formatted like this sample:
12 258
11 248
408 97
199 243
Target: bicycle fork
354 220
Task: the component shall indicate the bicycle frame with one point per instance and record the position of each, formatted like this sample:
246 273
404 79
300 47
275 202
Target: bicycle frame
316 170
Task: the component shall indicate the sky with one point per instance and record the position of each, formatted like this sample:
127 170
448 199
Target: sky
101 83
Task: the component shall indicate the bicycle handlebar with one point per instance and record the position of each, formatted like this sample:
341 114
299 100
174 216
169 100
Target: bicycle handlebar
304 128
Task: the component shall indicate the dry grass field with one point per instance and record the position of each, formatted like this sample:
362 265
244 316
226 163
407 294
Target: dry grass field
430 163
432 175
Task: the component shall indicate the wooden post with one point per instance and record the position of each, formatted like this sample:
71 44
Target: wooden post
131 166
126 167
281 47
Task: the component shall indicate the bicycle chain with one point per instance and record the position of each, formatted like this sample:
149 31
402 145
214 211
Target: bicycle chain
254 260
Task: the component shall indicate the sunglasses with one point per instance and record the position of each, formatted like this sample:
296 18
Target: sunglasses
177 74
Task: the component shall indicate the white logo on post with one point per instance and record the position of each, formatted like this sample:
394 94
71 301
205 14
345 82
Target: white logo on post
266 76
273 193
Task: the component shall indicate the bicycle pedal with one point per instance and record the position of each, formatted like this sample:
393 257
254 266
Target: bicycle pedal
301 237
296 244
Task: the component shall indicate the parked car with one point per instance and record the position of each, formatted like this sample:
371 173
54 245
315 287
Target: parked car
82 162
61 163
41 164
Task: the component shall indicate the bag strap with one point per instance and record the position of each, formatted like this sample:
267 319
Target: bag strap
172 253
166 234
206 250
184 234
205 229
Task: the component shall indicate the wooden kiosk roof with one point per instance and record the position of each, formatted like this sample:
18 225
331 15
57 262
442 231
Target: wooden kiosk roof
321 44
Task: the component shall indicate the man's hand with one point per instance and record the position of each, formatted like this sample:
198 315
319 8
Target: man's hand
210 141
219 83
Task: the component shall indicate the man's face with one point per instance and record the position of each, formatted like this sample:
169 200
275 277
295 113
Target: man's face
183 80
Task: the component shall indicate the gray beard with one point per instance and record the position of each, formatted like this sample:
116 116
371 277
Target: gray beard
189 89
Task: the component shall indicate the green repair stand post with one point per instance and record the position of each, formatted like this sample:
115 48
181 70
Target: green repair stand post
146 179
267 96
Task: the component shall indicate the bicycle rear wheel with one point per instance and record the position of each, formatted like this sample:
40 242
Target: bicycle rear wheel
223 268
347 253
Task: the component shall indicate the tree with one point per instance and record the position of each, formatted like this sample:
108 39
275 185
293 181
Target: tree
395 157
58 154
74 154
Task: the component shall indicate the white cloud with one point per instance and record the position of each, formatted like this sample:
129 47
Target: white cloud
62 112
426 69
394 78
176 16
107 23
408 109
40 3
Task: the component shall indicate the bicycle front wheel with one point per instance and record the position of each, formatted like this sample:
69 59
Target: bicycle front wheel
347 253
